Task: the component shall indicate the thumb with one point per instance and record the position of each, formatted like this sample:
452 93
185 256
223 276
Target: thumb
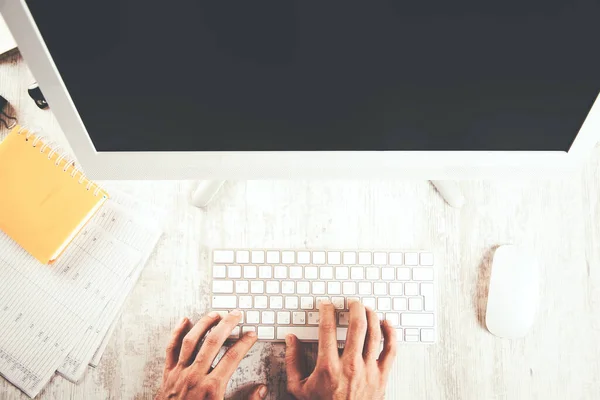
293 364
258 393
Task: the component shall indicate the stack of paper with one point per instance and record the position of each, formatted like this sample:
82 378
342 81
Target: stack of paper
59 317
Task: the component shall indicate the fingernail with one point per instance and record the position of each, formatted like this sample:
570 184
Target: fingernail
213 314
236 313
251 334
289 339
183 321
262 392
325 302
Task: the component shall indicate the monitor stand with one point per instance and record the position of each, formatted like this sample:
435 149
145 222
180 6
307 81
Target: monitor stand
207 190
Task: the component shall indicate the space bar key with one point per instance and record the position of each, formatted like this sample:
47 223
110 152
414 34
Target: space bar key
307 332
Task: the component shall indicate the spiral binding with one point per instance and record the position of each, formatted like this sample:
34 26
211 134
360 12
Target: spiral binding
32 134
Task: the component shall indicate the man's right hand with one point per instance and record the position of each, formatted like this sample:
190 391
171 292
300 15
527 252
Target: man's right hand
360 373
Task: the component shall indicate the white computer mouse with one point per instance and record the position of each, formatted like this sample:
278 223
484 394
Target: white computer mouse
513 294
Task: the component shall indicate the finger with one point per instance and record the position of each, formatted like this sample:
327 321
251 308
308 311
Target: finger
215 339
293 363
193 337
233 356
258 393
373 340
357 329
327 332
388 355
174 346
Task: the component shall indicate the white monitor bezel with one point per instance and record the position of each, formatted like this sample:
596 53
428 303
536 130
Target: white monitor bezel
248 165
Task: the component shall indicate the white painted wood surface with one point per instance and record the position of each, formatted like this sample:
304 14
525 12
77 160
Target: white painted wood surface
557 219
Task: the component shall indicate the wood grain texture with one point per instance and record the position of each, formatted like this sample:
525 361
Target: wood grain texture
557 219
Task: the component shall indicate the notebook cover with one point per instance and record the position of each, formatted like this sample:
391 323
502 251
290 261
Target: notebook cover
41 204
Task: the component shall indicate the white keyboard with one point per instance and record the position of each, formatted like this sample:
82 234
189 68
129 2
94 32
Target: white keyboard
278 291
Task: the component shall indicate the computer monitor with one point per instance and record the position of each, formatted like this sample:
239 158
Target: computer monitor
252 89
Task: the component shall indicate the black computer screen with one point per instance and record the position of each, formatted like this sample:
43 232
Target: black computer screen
183 75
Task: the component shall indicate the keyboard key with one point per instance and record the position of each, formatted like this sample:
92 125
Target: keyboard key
338 302
416 319
369 302
222 314
426 259
222 287
219 271
223 256
242 286
283 317
403 274
303 257
334 257
287 287
380 288
364 288
320 299
341 273
311 272
427 335
395 288
326 272
257 287
276 302
411 259
411 338
318 257
245 301
422 274
372 273
280 272
247 328
411 332
349 258
334 288
379 316
415 304
308 332
364 258
258 257
393 319
267 317
242 256
400 304
224 302
349 288
388 273
260 301
399 335
266 332
318 287
313 318
250 271
291 302
299 317
379 258
272 287
357 273
234 271
307 303
252 317
411 289
273 257
288 257
265 272
296 272
428 298
235 333
343 318
349 300
396 259
303 287
384 303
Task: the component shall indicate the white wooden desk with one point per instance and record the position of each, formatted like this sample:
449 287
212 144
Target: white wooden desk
557 219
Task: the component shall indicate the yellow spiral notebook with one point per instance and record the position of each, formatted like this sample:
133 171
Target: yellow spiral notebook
45 199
